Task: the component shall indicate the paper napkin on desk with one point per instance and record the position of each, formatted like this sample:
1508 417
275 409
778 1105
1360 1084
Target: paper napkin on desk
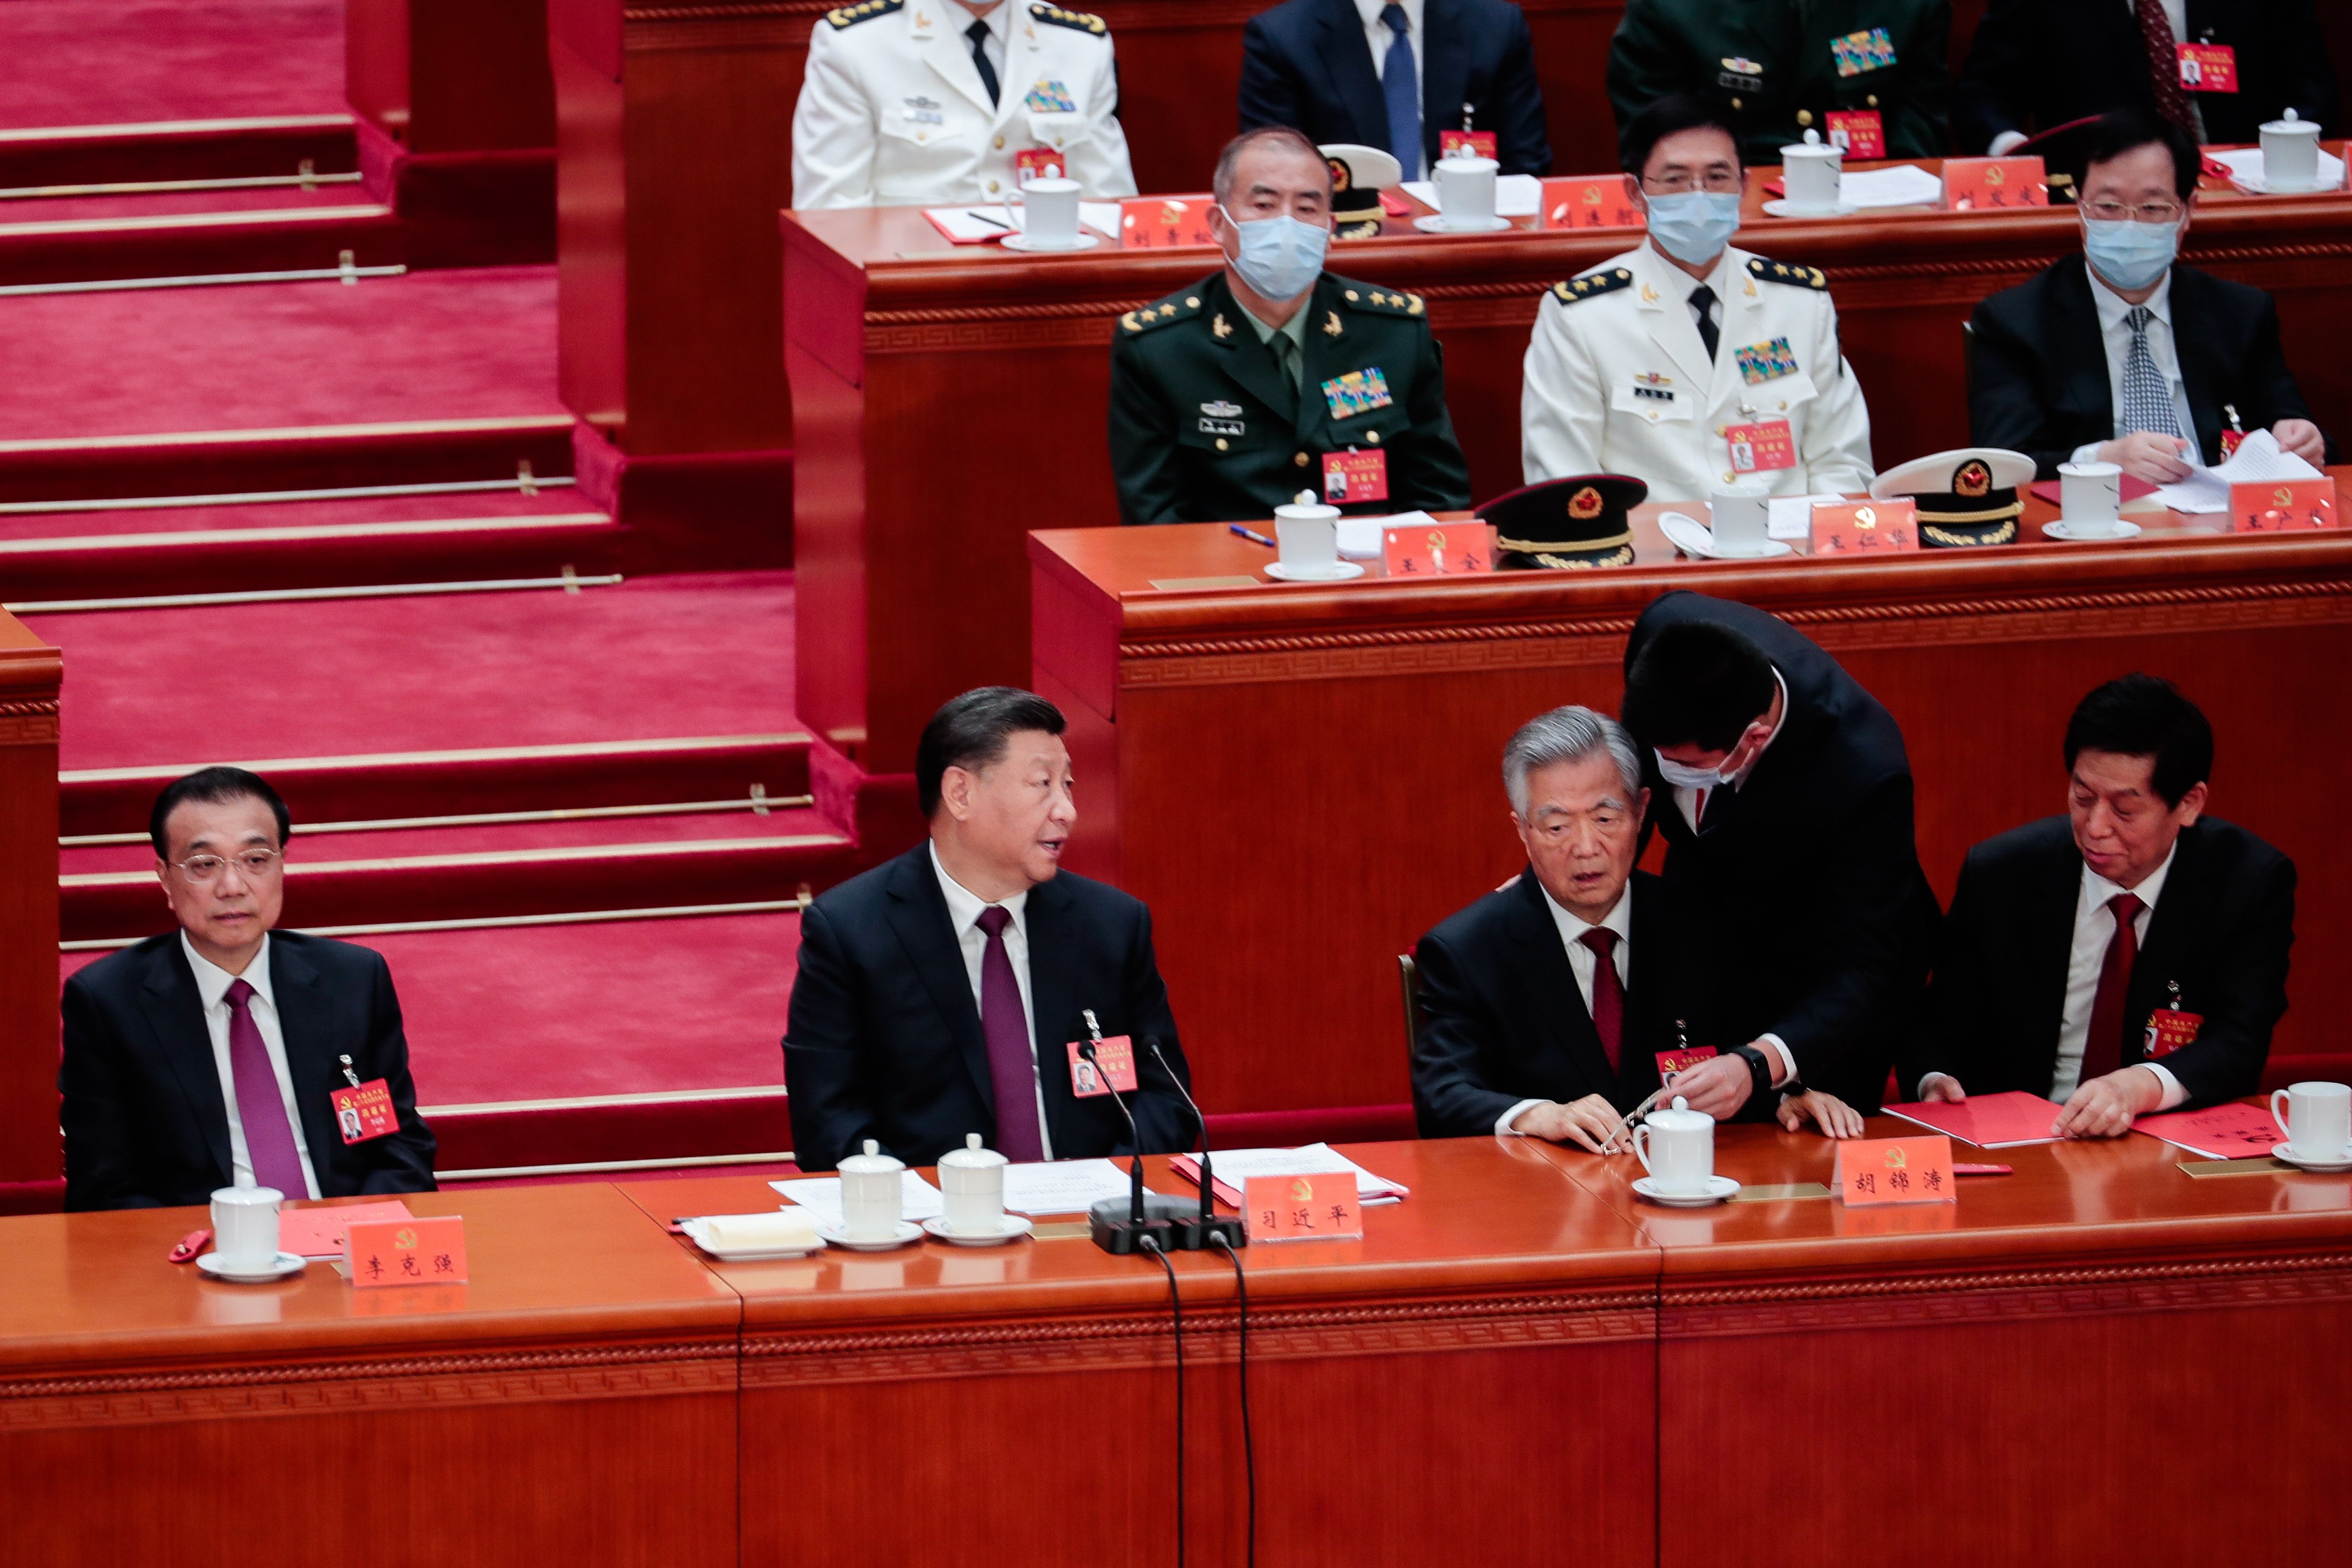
1904 185
2257 460
1235 1167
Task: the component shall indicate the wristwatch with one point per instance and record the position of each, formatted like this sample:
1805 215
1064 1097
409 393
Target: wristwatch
1759 1071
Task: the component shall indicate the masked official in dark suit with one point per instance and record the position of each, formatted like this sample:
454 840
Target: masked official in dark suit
2122 354
1785 797
2130 956
1395 73
210 1058
938 993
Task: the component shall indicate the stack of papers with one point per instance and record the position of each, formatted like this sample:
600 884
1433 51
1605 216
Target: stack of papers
1791 517
1235 1167
2245 166
1988 1120
2257 460
1361 539
1515 195
1904 185
1063 1186
2218 1132
821 1195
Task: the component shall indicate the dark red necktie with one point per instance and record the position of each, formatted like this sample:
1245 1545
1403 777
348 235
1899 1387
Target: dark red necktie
1011 1068
1608 993
2164 64
260 1109
2102 1047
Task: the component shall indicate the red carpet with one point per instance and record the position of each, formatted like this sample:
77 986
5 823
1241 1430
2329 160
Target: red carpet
95 62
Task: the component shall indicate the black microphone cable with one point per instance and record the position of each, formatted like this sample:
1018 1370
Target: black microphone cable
1249 1447
1176 1312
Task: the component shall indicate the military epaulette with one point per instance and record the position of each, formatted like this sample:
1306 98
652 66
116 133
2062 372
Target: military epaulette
1083 21
1784 272
1176 307
864 11
1380 301
1592 284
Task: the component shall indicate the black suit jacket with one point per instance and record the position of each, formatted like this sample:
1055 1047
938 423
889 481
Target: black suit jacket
2038 366
2034 65
885 1039
1503 1020
1803 905
145 1123
2221 932
1304 64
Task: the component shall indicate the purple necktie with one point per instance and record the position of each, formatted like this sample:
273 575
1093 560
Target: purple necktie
260 1110
1011 1069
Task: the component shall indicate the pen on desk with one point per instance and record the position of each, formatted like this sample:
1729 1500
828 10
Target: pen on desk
984 217
1253 536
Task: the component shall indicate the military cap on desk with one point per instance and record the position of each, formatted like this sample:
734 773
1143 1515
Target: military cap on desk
1967 497
1358 175
1569 525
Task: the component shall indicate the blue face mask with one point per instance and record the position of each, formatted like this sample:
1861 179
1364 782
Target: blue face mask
1694 226
2130 255
1280 257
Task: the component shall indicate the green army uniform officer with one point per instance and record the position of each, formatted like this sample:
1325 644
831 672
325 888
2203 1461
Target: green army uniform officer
1780 67
1225 398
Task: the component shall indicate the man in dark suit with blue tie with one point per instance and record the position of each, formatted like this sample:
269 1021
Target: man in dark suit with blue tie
940 993
1395 73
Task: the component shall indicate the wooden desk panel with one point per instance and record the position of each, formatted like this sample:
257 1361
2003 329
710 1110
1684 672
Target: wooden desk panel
1304 780
30 671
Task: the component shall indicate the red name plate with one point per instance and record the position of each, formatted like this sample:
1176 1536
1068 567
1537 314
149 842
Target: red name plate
365 1113
1762 448
1895 1171
1318 1206
1355 475
1113 1067
2282 506
1165 223
1868 528
2209 68
1445 550
1673 1063
384 1252
1588 204
1479 144
1859 131
1974 184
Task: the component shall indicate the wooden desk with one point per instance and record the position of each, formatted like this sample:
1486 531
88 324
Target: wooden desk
902 348
574 1403
1302 780
30 671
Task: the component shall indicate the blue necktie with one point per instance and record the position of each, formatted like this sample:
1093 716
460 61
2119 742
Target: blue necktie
1400 86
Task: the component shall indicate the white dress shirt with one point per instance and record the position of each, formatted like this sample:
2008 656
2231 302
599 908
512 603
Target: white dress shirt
991 45
1377 35
2115 331
964 909
1584 962
212 985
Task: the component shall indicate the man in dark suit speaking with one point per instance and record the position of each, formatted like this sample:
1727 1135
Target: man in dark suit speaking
216 1055
1785 797
939 993
2127 957
2121 354
1395 73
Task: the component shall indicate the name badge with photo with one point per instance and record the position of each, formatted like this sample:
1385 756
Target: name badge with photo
1112 1069
2209 68
2168 1029
365 1111
1766 447
1859 131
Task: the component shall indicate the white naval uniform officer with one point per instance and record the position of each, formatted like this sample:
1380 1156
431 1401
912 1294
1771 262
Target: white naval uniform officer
920 102
1654 364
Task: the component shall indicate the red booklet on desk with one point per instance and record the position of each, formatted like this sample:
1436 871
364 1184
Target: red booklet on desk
2232 1132
1988 1120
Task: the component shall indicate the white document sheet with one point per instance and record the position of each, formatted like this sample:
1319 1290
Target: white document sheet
2245 166
1904 185
966 224
1063 1186
1791 517
1515 195
1360 537
821 1195
1237 1166
2257 458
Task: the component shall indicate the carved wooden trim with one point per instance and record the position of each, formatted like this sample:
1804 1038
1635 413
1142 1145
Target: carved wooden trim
32 722
216 1393
1140 1342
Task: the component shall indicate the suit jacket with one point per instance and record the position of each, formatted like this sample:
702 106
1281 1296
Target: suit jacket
144 1119
885 1039
2037 64
1306 64
1802 904
2221 932
1503 1020
2038 366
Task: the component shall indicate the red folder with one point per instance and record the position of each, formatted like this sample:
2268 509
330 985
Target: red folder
1988 1120
2231 1131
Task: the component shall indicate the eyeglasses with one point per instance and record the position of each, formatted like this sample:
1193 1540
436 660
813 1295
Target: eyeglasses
1719 184
2147 212
249 862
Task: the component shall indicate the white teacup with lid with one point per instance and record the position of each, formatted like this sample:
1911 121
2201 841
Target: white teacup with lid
2291 153
872 1194
1465 191
1049 212
972 1182
1676 1146
1811 172
245 1228
1307 530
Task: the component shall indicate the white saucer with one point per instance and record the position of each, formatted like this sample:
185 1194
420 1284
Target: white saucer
1693 536
1719 1189
2059 529
288 1264
908 1231
1779 207
1014 1227
2286 1152
1336 573
1434 223
697 1232
1022 242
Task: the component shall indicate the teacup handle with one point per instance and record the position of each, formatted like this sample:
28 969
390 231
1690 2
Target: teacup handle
1642 1147
2284 1131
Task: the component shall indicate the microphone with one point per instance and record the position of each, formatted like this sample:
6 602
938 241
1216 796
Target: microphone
1198 1233
1135 1164
1146 1225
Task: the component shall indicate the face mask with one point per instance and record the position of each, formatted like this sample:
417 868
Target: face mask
1681 775
1694 226
1280 257
2130 255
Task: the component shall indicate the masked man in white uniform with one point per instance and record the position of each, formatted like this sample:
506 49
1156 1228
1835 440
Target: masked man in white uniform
923 102
1686 362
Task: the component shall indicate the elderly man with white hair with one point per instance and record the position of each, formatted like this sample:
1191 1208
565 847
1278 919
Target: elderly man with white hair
1549 1007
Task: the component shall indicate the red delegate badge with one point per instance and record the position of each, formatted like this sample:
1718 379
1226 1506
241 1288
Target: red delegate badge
1588 204
1479 144
2168 1029
1039 163
1318 1206
1165 223
2282 506
1445 549
1112 1069
365 1111
1974 184
1894 1171
2209 68
1868 528
1672 1064
1761 448
1355 475
1859 131
406 1252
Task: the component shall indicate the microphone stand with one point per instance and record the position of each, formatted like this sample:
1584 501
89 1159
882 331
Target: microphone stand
1148 1215
1199 1233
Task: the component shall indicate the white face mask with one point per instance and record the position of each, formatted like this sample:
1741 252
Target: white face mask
1681 775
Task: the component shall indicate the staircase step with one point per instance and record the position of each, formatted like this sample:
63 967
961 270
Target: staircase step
313 457
200 244
177 150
